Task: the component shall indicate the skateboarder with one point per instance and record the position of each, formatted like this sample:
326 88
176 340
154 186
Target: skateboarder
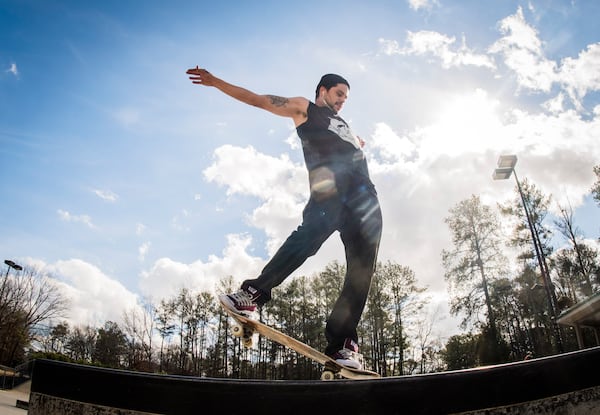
342 198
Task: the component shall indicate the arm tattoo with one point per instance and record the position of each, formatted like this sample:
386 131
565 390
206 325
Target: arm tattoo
278 101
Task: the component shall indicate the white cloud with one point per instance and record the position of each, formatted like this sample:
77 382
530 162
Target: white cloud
106 195
422 4
167 277
437 45
389 146
13 69
68 217
523 53
143 251
94 297
582 75
555 105
140 228
248 172
280 185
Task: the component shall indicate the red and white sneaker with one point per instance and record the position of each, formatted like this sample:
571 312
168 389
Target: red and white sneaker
243 302
348 355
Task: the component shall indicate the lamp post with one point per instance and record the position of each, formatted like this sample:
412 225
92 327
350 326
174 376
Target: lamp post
13 265
506 167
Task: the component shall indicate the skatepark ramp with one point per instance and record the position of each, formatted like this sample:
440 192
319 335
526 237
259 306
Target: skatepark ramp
564 384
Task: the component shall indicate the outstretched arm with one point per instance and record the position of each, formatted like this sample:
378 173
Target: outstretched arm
294 108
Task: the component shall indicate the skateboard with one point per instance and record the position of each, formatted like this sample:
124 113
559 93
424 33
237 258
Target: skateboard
245 328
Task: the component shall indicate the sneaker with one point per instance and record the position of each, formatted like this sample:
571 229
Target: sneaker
348 355
243 301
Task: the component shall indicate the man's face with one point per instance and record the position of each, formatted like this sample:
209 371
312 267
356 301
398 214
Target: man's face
335 97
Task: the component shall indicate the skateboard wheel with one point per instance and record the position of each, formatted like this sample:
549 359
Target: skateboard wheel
237 331
327 375
247 342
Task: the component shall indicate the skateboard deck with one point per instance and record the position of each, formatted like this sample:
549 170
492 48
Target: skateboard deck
246 327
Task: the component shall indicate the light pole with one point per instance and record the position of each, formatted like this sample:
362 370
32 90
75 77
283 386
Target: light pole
506 167
13 265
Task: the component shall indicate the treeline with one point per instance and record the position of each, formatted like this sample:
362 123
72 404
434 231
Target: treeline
191 334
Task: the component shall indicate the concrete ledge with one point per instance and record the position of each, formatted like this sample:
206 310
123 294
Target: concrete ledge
584 402
558 383
45 404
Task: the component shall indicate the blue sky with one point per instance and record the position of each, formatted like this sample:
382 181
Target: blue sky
124 180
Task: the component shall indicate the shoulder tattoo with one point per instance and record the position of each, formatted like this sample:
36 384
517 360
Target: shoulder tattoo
278 101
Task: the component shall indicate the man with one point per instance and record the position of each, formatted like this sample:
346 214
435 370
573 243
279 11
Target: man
342 198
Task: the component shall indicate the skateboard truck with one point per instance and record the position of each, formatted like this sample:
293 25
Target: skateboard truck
245 333
330 373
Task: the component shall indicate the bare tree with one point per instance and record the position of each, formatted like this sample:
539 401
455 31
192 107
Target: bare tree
165 327
428 343
395 298
28 298
581 252
138 325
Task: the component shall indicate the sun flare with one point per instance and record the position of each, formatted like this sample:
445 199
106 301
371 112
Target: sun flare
466 123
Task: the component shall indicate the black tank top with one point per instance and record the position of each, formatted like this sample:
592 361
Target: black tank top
329 146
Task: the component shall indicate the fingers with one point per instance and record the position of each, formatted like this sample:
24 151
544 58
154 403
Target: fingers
200 76
194 71
197 71
198 80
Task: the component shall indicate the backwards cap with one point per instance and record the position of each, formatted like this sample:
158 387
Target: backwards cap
330 80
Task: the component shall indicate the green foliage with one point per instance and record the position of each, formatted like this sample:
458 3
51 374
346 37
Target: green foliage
50 356
538 205
491 348
461 352
111 345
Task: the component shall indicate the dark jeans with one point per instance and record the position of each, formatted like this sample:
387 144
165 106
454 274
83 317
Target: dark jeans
358 219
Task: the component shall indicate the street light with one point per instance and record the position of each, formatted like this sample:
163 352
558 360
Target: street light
13 265
506 167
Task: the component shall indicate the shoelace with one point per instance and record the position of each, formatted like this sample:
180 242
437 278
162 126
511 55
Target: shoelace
243 298
346 353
